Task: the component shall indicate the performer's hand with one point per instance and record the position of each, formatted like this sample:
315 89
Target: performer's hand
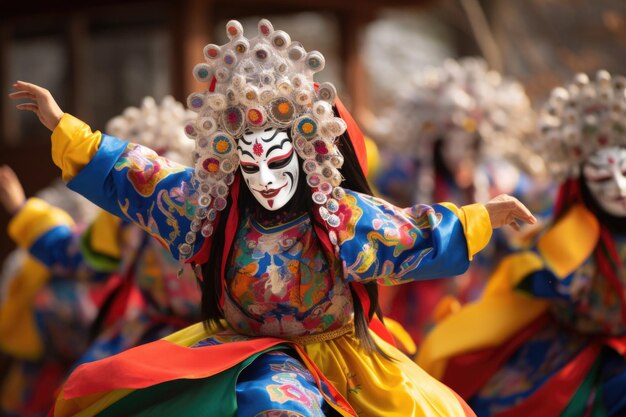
505 209
11 191
40 102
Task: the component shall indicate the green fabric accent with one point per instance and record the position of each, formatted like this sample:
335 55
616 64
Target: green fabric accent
206 397
599 410
578 405
98 261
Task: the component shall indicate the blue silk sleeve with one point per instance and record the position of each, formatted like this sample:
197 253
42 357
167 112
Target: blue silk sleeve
545 284
62 251
392 245
135 183
58 249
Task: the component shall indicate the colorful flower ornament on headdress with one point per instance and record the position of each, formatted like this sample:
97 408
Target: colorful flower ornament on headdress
265 81
157 126
578 120
461 100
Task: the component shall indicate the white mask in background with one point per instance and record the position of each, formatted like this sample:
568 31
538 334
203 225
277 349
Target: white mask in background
604 174
269 166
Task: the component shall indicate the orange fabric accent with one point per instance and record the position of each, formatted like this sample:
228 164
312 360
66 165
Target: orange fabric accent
136 368
364 297
618 344
557 392
355 135
379 328
466 408
344 406
478 366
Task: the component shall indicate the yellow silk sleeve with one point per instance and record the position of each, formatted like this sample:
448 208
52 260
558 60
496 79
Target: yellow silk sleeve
476 225
19 334
34 219
105 237
73 145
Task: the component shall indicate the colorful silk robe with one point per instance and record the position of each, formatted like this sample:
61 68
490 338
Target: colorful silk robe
282 285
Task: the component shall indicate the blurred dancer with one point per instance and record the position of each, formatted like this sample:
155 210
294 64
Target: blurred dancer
456 134
548 337
144 298
45 313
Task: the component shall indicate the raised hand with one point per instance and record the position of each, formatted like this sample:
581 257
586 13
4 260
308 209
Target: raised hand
505 209
40 102
11 192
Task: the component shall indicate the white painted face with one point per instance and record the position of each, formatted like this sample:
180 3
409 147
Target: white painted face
604 174
269 166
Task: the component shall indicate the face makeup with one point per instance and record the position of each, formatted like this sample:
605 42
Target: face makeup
605 176
269 166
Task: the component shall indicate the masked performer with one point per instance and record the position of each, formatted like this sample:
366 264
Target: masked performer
548 336
277 219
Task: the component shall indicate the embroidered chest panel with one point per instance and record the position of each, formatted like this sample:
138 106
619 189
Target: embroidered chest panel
280 282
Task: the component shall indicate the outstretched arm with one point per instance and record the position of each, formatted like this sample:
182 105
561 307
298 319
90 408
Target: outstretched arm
392 245
11 191
126 179
40 102
507 210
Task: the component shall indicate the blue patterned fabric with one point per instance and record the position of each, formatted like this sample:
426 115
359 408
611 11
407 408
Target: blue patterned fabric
392 245
277 385
134 183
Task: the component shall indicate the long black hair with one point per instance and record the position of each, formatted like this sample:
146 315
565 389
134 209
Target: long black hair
211 280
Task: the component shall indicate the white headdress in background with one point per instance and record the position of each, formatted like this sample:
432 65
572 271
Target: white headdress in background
581 118
461 100
157 126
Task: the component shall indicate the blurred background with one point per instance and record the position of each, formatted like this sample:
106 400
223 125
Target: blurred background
99 57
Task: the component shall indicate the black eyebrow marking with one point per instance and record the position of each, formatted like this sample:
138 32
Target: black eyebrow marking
279 146
245 141
276 132
268 129
245 152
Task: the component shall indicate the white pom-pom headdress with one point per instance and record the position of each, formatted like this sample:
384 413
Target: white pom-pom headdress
581 118
461 100
157 126
265 81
